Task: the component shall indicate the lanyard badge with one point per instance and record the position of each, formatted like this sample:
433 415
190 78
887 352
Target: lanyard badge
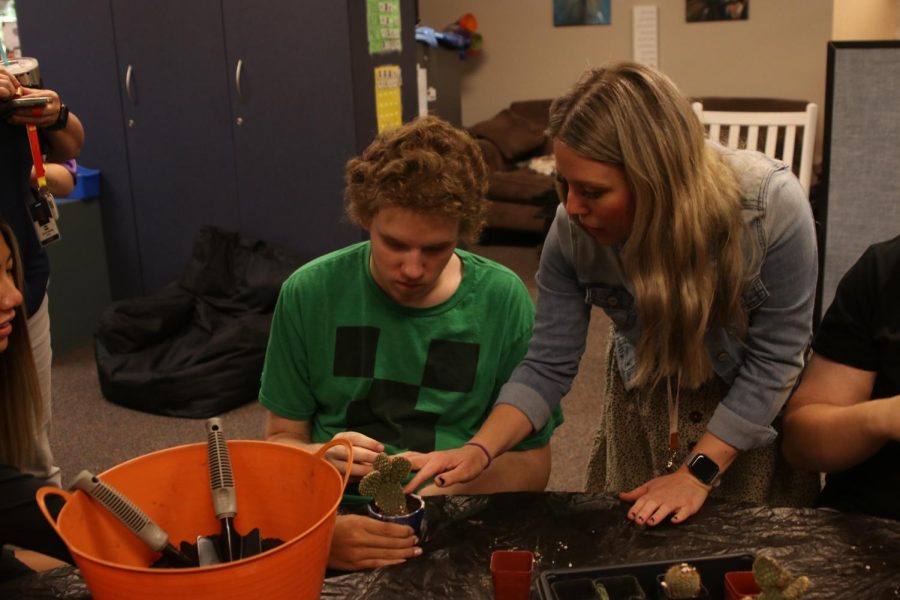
41 205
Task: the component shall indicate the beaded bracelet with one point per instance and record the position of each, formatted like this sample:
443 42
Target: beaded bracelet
483 449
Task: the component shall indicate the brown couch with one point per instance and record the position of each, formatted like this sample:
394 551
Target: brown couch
524 200
520 199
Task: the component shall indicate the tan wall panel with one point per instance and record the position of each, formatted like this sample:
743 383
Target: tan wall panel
779 52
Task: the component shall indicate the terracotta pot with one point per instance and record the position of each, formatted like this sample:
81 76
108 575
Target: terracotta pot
511 574
740 584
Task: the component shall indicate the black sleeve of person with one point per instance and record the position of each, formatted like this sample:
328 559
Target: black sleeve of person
846 334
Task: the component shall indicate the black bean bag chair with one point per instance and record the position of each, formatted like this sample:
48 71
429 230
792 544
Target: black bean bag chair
196 348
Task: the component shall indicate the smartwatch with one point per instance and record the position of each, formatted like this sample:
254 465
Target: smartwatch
703 468
61 120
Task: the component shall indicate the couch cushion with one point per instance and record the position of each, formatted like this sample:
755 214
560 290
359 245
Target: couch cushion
491 153
512 133
536 111
522 186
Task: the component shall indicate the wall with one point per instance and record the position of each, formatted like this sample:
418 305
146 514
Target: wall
866 19
780 51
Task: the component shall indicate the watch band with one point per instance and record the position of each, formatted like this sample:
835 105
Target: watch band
62 119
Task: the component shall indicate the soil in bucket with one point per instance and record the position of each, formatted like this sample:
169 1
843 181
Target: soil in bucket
287 493
190 550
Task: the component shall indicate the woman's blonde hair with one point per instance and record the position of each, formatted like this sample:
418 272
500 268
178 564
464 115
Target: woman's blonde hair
426 165
20 408
684 254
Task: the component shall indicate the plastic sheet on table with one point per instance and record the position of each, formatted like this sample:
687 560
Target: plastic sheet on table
839 552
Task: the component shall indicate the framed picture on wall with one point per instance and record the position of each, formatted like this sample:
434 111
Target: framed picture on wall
581 12
717 10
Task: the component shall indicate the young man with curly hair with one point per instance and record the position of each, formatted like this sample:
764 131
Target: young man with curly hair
401 343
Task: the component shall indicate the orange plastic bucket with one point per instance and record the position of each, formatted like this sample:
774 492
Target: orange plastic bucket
287 493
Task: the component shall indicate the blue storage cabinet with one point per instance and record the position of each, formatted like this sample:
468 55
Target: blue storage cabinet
224 112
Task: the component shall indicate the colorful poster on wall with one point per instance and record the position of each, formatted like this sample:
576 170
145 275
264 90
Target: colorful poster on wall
581 12
383 18
717 10
388 105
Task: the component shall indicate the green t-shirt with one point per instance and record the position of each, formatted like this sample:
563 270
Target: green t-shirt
345 356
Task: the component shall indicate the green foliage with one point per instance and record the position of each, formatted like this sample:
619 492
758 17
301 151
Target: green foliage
682 581
776 582
385 484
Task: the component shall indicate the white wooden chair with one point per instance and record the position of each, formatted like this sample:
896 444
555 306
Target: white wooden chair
779 134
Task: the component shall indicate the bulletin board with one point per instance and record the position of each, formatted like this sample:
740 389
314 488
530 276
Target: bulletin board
861 156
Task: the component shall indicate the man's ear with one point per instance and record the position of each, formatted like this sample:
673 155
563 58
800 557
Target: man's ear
366 225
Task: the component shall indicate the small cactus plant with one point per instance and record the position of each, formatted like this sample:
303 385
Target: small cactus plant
600 590
385 484
682 581
776 582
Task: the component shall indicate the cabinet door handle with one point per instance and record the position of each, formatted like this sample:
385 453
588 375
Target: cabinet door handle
238 69
129 89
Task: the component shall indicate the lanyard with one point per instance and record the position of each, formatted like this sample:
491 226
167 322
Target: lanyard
672 405
42 206
35 145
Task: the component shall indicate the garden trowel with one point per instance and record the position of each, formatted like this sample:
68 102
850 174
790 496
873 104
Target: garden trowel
131 516
221 479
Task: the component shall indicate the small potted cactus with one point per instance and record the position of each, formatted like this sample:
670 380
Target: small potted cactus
776 582
385 485
681 582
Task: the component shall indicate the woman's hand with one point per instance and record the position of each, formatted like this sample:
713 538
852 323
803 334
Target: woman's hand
364 543
678 494
447 467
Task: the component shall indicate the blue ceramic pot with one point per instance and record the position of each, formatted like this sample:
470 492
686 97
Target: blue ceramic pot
416 506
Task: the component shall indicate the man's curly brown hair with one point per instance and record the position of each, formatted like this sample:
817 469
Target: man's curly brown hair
426 165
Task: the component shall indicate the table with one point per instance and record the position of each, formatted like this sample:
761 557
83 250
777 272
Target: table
845 556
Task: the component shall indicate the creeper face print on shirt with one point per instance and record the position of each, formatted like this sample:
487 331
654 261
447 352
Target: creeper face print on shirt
388 413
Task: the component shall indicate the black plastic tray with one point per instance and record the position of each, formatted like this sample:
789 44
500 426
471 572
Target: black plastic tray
575 584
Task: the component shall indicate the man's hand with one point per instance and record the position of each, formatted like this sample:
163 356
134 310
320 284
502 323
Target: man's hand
9 85
363 543
447 467
299 433
679 494
41 116
365 449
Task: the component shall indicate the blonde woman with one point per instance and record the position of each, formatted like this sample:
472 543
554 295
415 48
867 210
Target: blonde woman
705 261
21 523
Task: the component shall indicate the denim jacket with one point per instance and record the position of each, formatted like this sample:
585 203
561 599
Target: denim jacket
577 273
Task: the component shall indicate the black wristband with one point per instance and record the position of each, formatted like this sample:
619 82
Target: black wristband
62 119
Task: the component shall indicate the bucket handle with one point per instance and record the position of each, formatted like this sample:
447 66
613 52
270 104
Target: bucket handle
42 493
320 454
